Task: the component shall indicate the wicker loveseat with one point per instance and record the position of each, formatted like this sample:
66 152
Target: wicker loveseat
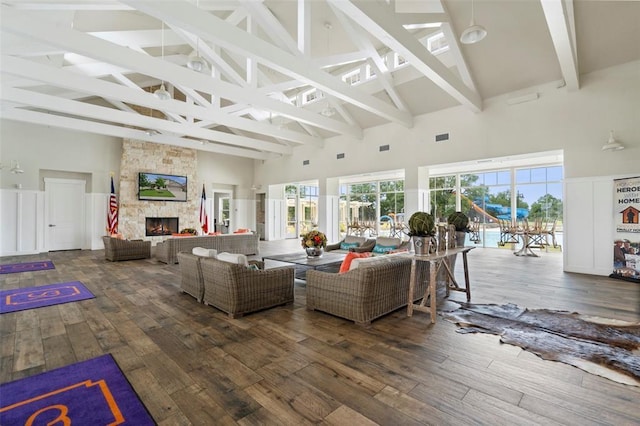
167 251
116 249
378 285
364 244
238 290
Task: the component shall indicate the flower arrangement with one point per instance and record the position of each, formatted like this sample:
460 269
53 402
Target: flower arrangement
191 231
314 239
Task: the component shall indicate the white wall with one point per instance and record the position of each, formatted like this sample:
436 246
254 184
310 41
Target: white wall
576 122
44 151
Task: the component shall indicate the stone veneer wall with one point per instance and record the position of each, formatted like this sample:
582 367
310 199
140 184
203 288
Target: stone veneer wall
138 156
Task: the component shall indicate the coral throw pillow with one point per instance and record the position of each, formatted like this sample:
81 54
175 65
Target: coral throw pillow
346 263
241 231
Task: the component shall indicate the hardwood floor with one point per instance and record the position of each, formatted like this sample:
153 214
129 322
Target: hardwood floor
191 364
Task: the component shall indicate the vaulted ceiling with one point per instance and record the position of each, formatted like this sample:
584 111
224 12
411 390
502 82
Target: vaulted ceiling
274 75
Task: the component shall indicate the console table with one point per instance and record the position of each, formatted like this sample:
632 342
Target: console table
436 261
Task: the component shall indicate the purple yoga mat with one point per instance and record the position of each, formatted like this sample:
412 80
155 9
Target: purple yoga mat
93 392
20 299
12 268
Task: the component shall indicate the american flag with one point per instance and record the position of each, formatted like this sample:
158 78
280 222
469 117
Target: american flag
204 220
112 214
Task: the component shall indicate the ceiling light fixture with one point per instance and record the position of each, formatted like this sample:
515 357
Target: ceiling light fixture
474 33
162 93
196 62
612 144
16 168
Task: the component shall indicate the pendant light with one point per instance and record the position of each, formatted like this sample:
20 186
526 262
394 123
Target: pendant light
162 93
474 33
612 144
196 62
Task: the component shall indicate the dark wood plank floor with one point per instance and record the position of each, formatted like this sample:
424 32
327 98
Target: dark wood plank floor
190 364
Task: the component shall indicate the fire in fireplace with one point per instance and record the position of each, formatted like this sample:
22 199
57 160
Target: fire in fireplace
161 226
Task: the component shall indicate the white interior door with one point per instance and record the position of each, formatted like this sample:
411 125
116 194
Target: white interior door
65 212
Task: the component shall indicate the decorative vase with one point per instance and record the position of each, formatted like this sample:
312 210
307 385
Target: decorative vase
314 251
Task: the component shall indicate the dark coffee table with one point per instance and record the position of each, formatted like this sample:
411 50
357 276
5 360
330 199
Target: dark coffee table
328 262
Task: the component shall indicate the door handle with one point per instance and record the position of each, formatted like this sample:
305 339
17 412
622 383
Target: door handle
51 225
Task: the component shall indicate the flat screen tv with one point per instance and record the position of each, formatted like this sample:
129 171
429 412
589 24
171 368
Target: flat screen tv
161 187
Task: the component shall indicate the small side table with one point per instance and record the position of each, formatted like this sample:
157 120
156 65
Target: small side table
436 261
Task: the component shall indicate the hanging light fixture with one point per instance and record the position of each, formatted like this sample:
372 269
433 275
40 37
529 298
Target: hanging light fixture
162 93
612 144
474 33
16 167
196 62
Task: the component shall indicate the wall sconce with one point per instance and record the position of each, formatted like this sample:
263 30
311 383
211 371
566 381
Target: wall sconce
15 169
612 144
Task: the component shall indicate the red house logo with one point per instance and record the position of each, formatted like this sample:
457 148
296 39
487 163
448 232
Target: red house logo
630 215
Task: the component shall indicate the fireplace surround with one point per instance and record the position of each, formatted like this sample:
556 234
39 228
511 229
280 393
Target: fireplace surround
156 226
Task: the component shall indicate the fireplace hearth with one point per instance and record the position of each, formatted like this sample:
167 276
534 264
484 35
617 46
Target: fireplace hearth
155 226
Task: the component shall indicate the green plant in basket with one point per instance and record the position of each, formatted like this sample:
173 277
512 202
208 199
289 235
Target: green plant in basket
314 239
422 224
459 220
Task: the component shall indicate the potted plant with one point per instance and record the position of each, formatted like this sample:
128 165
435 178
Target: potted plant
461 222
314 243
422 228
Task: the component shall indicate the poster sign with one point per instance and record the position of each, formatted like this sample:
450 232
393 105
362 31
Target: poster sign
626 244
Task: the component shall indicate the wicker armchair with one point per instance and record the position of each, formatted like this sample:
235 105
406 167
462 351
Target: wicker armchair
238 290
116 249
365 293
191 281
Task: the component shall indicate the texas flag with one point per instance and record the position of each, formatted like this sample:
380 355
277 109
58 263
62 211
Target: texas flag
204 220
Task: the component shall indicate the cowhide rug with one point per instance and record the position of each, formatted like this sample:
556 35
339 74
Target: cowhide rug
608 348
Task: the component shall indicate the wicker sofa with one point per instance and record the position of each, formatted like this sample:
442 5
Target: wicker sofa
116 249
167 251
367 244
377 286
237 290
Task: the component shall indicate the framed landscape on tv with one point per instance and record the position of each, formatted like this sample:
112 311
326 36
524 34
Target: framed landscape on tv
161 187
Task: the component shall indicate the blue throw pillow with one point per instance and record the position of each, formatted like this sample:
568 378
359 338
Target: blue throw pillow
383 249
347 246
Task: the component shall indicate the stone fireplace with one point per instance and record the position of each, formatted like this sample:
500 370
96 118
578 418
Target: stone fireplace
139 156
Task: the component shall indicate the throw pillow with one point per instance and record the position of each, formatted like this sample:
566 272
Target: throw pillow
378 249
347 246
253 267
346 263
215 233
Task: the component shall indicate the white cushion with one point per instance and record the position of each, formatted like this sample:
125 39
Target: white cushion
204 252
236 258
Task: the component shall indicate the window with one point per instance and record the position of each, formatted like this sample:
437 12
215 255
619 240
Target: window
437 43
375 207
352 77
